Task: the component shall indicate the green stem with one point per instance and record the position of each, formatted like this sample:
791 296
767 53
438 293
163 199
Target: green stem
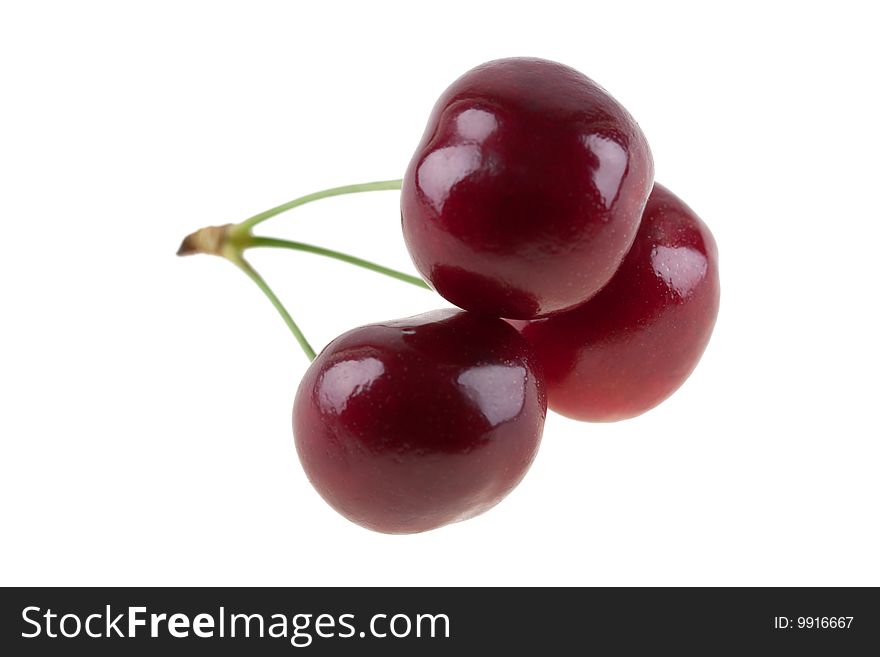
231 240
344 257
245 226
245 266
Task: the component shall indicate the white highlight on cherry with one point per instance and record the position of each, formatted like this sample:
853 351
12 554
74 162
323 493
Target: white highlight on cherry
445 167
347 379
612 165
681 268
498 390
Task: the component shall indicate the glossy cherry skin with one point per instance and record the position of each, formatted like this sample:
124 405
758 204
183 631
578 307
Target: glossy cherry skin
634 343
409 425
526 189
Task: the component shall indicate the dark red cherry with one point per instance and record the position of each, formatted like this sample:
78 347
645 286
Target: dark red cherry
412 424
636 341
526 189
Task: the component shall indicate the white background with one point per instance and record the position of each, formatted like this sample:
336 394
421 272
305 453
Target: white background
146 399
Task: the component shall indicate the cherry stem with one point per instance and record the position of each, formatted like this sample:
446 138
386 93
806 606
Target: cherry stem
231 240
246 225
245 266
273 242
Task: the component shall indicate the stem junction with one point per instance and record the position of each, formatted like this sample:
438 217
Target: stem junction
230 241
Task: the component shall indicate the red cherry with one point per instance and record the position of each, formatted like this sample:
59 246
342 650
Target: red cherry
526 190
633 344
409 425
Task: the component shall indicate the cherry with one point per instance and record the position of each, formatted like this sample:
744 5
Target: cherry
636 341
526 190
409 425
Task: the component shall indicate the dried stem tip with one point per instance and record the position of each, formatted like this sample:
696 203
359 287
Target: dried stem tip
211 240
